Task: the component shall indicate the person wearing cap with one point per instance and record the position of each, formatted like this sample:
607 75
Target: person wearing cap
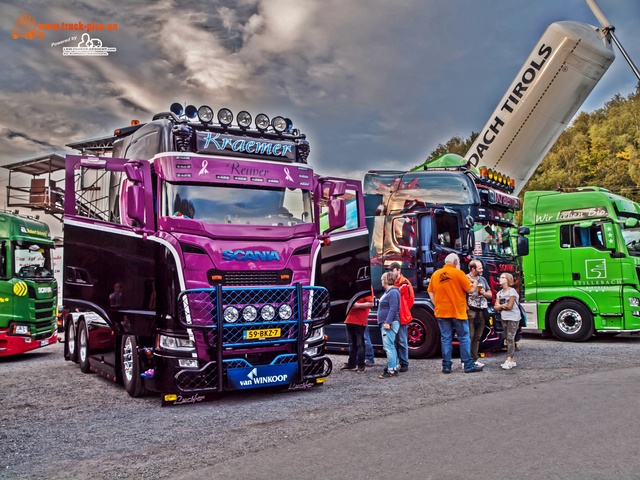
448 290
407 298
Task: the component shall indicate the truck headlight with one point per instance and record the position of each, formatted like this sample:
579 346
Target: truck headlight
267 313
316 334
285 311
249 313
231 315
20 329
176 343
634 301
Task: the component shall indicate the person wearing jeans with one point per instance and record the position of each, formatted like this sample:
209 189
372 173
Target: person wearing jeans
407 298
448 290
389 323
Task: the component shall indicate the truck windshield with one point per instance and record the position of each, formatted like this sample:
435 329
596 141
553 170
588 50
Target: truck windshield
632 240
32 260
246 205
493 239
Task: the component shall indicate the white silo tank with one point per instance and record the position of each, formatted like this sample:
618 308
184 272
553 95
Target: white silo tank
563 68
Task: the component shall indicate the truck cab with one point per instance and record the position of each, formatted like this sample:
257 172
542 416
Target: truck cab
581 275
28 289
214 259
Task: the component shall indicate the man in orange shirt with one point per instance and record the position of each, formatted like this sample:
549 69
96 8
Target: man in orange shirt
356 322
448 290
407 298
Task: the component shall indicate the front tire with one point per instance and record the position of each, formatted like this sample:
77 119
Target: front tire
423 334
130 367
83 348
571 321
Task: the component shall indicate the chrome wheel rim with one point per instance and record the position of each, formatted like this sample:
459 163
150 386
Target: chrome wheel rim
83 345
569 321
127 359
71 340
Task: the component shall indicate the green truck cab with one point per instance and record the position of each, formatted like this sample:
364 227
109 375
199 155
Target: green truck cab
583 269
28 289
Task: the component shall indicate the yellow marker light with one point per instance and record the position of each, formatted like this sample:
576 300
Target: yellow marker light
320 380
20 289
170 397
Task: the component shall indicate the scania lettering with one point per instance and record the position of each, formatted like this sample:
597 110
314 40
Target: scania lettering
28 289
207 266
581 275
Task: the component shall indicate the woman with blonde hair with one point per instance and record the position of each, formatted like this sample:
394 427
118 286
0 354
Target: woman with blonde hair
389 322
507 305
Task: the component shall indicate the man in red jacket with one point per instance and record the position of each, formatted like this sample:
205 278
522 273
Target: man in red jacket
406 302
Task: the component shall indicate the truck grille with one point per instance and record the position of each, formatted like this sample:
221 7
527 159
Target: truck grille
250 278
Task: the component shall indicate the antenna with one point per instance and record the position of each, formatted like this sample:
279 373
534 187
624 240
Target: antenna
609 29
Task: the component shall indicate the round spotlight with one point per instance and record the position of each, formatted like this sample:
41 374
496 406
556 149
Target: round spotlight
490 174
205 114
249 313
267 313
177 109
191 112
244 119
289 125
285 311
231 314
225 117
279 124
262 121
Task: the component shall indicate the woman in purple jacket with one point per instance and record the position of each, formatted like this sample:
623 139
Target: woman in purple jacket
389 322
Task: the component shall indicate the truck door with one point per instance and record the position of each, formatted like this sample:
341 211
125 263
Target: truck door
344 267
593 269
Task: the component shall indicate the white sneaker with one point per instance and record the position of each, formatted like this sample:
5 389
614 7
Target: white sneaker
508 365
479 364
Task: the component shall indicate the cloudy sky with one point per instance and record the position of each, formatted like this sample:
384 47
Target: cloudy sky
373 83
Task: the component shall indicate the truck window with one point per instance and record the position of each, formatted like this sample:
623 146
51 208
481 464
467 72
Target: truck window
404 231
32 260
245 205
447 232
589 237
353 217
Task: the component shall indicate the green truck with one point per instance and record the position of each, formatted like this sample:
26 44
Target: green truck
582 274
28 289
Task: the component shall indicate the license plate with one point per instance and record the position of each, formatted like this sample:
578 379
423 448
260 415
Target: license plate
262 333
44 342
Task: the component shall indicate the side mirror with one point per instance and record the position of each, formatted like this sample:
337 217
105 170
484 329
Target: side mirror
337 214
133 172
631 222
3 259
135 204
524 231
586 224
522 244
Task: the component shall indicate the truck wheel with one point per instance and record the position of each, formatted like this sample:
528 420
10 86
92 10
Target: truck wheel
424 335
130 367
571 321
83 347
70 351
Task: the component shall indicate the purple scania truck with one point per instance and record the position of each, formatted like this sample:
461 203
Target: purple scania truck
202 256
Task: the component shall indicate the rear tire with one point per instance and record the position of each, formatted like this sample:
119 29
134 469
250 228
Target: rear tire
571 321
130 367
70 341
83 348
424 335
